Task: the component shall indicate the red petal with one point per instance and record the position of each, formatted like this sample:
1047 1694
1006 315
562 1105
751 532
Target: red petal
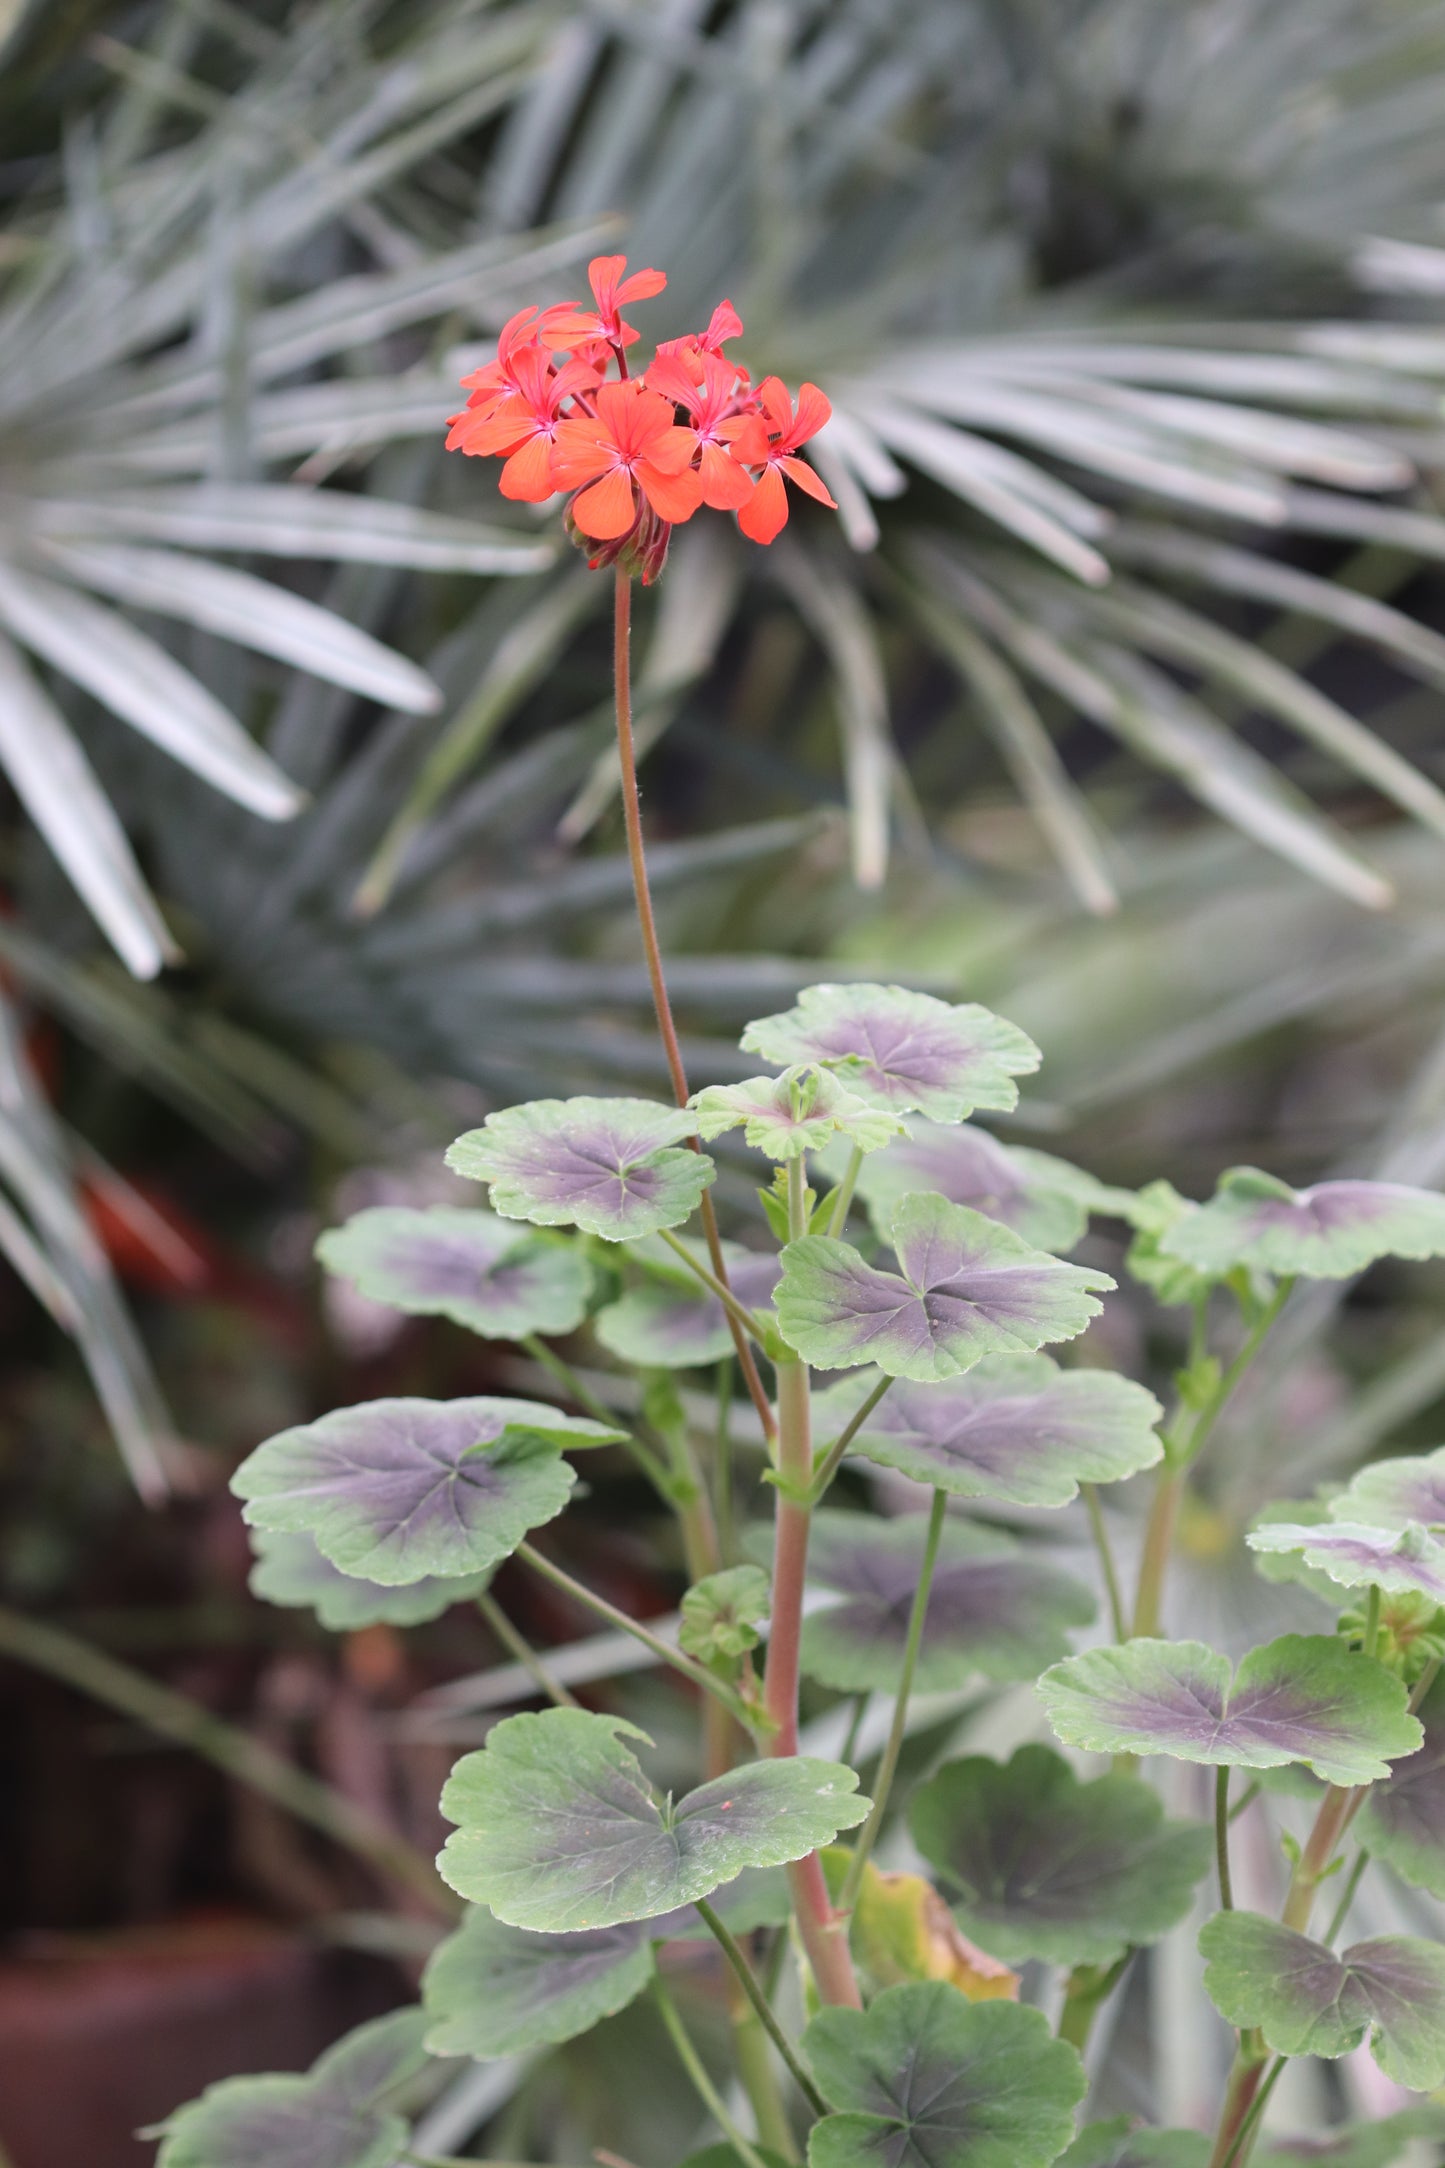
602 275
674 497
776 405
607 509
798 470
724 484
671 378
527 475
672 450
580 452
766 511
725 324
813 410
641 286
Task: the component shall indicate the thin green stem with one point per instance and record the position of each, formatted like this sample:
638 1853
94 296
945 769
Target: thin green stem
660 1648
1372 1622
647 926
1424 1683
759 2075
855 1725
1112 1589
1183 1442
174 1716
1088 1989
517 1645
722 1465
1347 1898
1310 1869
883 1784
739 1312
832 1459
575 1389
706 2091
1245 1800
843 1194
1221 1835
751 1987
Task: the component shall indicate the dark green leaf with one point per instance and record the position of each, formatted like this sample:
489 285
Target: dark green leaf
1038 1864
926 2079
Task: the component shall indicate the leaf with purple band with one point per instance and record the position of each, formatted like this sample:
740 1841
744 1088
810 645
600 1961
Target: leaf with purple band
1043 1199
614 1167
398 1490
966 1288
1304 1698
994 1610
1376 2144
901 1050
1411 1561
494 1990
673 1322
559 1830
1389 1493
923 2078
1403 1820
1306 2000
485 1273
291 1572
800 1111
1015 1427
1323 1233
1038 1864
338 2115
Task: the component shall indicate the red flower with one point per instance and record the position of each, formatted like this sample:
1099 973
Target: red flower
706 387
770 440
632 437
611 291
522 426
724 324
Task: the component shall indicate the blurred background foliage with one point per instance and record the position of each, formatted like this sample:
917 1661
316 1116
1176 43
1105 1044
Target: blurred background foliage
1111 697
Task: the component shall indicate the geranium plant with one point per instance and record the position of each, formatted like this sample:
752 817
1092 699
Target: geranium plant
887 1315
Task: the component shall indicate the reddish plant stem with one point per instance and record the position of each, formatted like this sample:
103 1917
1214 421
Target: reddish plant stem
667 1030
1244 2082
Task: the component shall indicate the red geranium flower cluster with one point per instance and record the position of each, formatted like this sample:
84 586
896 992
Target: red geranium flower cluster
636 454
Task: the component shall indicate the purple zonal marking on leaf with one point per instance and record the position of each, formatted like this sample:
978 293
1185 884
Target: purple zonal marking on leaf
669 1324
967 1288
397 1490
1043 1199
994 1610
1392 1492
486 1273
1016 1427
1404 1562
1403 1821
1304 1698
901 1050
1324 1233
610 1166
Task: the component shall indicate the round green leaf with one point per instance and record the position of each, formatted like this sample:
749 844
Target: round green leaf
1121 2143
1045 1200
1304 1698
559 1831
1323 1233
496 1990
1408 1562
334 2117
485 1273
900 1050
291 1572
994 1610
1038 1864
396 1491
926 2079
1305 2000
1015 1427
1390 1493
611 1166
800 1111
967 1287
